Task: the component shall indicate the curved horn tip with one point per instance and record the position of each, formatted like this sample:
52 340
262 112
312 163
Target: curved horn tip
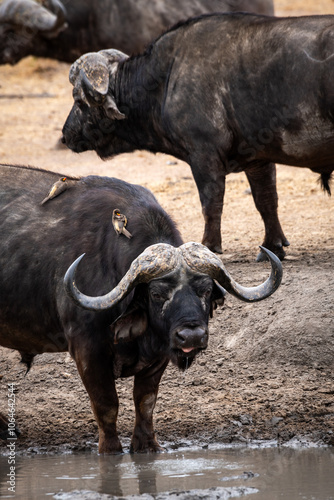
271 255
69 275
276 264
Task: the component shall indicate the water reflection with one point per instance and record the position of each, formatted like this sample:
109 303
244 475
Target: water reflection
274 473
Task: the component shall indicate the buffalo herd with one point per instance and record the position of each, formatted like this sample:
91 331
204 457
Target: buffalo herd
94 265
65 29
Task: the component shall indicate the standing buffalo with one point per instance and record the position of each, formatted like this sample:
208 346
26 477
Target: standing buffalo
162 291
225 93
66 29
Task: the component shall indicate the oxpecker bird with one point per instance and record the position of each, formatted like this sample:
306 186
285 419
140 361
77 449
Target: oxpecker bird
119 222
58 188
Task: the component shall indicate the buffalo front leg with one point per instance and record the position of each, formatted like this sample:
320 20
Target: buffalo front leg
145 392
262 180
94 362
211 189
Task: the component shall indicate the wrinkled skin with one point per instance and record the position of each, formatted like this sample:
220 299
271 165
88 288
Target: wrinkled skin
225 93
128 25
165 319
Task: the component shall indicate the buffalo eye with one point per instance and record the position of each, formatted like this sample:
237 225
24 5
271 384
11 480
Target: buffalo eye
157 297
159 294
204 292
78 99
80 103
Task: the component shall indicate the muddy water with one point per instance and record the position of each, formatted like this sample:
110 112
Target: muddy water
258 473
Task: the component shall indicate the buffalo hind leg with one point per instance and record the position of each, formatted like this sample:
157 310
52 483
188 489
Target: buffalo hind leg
262 180
145 392
94 364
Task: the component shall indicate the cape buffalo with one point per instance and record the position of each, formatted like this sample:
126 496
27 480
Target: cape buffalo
63 29
225 93
162 291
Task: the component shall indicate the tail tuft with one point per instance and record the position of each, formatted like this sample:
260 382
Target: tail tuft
27 359
325 180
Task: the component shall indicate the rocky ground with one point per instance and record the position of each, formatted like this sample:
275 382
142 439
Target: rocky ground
268 370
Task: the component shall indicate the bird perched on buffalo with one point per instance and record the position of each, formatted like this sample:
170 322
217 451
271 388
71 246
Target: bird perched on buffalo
58 188
119 222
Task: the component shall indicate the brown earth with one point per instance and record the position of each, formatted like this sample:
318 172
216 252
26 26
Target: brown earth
268 371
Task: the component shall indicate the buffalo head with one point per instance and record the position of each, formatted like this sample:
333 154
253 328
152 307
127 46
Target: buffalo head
25 23
182 286
95 114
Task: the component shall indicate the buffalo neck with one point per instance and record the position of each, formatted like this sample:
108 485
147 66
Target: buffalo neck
140 90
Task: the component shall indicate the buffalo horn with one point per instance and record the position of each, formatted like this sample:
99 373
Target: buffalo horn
200 259
113 56
161 259
156 261
32 15
97 66
91 73
95 82
59 10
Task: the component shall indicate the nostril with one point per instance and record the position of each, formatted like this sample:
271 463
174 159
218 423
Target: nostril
63 140
181 337
191 337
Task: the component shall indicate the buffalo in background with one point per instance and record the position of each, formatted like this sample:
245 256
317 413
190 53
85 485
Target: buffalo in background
66 29
225 93
162 291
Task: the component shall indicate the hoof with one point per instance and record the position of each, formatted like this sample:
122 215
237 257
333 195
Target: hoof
111 452
146 447
213 248
110 447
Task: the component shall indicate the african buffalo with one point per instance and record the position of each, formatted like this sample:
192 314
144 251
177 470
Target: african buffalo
162 291
225 93
66 29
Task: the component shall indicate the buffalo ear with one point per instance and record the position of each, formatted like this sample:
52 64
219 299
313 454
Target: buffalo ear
114 57
95 87
129 326
133 322
112 110
217 297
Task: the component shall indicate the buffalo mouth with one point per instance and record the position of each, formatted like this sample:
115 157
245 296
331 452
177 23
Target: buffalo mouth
103 152
187 342
79 146
183 360
189 352
183 357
